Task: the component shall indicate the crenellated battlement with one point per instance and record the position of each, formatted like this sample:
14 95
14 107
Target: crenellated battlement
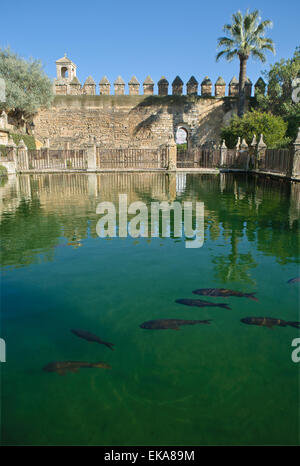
67 83
138 113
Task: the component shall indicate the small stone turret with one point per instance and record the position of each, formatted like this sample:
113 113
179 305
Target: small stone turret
119 85
148 86
104 86
134 86
220 87
177 86
248 87
89 87
192 86
259 87
65 69
163 85
65 73
206 87
75 86
233 87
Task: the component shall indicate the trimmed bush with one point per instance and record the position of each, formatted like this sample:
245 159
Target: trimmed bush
29 141
3 150
253 123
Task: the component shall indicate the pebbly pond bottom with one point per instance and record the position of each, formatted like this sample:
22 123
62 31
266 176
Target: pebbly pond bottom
226 383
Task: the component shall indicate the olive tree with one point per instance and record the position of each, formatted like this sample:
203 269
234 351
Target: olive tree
27 87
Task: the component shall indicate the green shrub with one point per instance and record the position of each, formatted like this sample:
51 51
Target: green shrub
182 146
272 127
29 141
3 150
3 171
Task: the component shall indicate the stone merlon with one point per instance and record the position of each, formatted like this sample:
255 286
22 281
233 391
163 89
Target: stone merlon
220 81
177 81
134 81
104 80
89 81
148 80
119 80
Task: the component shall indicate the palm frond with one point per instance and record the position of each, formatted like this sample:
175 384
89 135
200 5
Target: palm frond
227 28
225 41
229 54
270 47
259 55
264 25
220 54
237 18
250 20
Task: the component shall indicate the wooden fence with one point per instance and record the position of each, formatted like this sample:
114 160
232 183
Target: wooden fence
283 162
131 158
277 161
198 157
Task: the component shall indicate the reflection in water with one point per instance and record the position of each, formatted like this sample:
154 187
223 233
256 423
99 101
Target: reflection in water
41 212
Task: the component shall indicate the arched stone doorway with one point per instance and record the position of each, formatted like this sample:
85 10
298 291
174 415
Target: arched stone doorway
182 137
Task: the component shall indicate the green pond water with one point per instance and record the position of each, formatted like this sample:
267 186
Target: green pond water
226 383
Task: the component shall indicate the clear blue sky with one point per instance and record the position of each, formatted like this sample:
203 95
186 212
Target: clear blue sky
156 37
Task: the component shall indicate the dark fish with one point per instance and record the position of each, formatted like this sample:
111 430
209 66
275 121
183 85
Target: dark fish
294 280
91 337
269 322
224 293
172 324
72 366
200 303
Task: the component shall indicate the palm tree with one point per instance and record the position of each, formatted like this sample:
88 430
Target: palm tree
247 38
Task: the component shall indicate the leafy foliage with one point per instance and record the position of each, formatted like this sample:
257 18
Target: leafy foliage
27 86
255 123
3 171
279 97
3 150
29 141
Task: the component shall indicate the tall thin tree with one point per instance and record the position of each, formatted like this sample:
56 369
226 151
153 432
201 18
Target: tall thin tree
246 38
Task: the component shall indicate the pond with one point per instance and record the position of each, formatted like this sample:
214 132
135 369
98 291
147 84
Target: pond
222 383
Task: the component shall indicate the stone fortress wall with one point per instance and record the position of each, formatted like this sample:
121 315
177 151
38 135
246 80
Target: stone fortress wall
134 119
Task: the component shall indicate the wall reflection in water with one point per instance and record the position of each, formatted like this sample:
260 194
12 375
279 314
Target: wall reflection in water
41 212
